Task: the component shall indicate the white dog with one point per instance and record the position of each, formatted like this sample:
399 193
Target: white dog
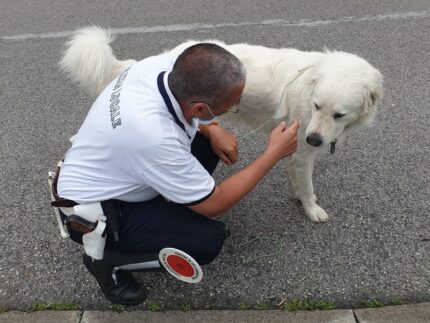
330 93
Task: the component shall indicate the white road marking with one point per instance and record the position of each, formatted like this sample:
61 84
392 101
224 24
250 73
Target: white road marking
198 26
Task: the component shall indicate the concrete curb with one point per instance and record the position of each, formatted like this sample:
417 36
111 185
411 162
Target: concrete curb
274 316
413 313
42 316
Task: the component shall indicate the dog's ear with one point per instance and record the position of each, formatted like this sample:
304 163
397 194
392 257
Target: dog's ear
312 84
373 97
373 92
374 89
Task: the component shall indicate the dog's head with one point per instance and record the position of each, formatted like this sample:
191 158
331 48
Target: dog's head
346 91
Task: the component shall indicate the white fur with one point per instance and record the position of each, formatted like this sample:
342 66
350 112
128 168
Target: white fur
89 60
282 84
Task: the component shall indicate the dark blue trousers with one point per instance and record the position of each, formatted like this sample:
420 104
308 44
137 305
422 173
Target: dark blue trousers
147 227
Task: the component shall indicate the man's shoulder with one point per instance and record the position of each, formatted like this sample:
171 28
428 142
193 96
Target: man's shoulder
164 61
155 127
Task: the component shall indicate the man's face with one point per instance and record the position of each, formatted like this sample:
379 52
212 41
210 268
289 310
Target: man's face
230 102
203 110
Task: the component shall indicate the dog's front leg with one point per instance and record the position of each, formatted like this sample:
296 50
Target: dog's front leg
299 168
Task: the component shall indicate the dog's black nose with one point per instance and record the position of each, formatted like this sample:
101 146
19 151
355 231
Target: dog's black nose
314 139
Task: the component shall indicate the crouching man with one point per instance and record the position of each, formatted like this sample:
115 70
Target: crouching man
145 154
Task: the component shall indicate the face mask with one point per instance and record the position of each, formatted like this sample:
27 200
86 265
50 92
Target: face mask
205 119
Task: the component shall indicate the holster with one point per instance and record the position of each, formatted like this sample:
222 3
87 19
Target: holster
88 219
76 223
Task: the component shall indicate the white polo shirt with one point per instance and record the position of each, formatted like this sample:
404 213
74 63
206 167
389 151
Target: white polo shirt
135 144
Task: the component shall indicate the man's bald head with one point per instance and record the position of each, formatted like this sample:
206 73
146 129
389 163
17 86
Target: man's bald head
205 72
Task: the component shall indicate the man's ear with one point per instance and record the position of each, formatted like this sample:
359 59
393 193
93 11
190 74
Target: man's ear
198 110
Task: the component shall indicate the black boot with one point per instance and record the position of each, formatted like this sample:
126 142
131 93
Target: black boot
124 289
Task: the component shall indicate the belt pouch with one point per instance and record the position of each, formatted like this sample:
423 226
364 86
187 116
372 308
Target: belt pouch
94 241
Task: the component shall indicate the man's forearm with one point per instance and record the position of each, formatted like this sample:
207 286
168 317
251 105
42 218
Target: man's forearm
234 188
282 143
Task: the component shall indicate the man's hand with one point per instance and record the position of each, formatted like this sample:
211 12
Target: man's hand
283 141
224 144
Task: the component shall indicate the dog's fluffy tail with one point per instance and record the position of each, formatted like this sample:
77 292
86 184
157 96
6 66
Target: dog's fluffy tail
89 59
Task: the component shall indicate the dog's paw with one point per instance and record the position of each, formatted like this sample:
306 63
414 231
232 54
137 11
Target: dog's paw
316 213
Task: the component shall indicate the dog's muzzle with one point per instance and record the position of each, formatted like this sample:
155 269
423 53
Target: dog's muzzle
314 139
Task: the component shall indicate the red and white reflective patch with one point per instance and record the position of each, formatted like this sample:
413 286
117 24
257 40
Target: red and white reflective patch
180 265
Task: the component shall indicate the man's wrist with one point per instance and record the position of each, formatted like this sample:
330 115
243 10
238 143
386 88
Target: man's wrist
204 128
270 156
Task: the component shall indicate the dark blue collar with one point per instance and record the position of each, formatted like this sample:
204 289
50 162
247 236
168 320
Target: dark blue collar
169 105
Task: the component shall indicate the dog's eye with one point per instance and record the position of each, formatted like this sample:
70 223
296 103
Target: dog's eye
338 115
317 107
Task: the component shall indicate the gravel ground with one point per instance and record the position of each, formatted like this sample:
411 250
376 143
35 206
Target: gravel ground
376 186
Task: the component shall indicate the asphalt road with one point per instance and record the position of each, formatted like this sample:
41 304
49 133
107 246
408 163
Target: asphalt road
376 186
